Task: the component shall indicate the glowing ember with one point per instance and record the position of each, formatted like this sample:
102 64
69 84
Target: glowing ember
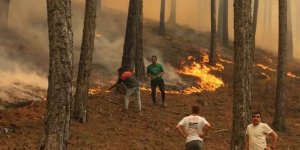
265 67
94 91
292 75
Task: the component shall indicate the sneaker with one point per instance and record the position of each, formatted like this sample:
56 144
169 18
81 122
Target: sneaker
164 105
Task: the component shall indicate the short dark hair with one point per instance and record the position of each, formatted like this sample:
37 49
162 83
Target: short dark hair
122 69
256 113
154 56
195 109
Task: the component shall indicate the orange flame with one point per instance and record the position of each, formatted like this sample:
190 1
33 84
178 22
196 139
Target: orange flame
93 91
292 75
207 81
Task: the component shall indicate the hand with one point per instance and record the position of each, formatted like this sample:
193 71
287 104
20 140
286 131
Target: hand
201 136
268 148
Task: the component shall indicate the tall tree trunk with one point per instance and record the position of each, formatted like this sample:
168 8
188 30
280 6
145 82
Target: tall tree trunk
254 24
162 18
279 122
290 47
86 55
139 53
225 23
57 124
242 72
220 18
133 47
172 18
4 9
212 54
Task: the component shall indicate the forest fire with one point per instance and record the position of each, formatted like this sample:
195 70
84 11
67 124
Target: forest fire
206 81
93 91
289 74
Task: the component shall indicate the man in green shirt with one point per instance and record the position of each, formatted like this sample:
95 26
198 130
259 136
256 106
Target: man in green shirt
155 72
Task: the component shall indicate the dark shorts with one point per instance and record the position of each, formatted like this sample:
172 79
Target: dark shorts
194 145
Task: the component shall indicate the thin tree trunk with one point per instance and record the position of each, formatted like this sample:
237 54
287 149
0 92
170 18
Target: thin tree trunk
4 9
57 124
212 54
162 18
254 24
172 18
242 72
290 47
225 23
86 55
133 47
279 121
220 18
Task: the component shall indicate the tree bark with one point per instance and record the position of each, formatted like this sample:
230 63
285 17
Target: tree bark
254 24
225 23
172 18
212 54
290 47
133 47
4 9
161 30
279 121
220 18
57 124
242 72
86 55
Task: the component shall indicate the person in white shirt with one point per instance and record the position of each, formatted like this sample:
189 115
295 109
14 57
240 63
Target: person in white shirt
256 134
193 128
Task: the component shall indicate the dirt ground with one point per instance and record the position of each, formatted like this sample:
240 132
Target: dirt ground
111 128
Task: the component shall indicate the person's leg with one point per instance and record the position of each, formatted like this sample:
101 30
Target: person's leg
153 90
194 145
161 86
128 93
138 97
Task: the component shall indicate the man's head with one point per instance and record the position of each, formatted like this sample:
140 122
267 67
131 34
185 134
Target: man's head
256 118
121 70
195 109
153 59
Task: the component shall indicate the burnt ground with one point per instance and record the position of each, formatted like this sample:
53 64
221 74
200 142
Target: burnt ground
109 127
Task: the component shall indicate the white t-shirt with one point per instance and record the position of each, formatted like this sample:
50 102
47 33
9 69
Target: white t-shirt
257 136
193 127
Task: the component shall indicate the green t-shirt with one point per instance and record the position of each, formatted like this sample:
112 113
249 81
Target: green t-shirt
155 70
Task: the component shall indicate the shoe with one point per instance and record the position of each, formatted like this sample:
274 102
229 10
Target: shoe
164 105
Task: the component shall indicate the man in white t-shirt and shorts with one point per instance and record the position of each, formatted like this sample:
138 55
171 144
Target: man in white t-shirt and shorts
256 134
193 128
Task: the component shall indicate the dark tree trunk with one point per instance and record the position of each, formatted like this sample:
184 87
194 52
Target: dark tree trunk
220 18
172 18
290 47
254 24
4 9
242 72
225 23
133 47
161 30
84 71
57 124
212 54
279 122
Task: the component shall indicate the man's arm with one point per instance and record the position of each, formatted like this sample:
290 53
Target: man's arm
274 140
181 130
205 130
246 142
